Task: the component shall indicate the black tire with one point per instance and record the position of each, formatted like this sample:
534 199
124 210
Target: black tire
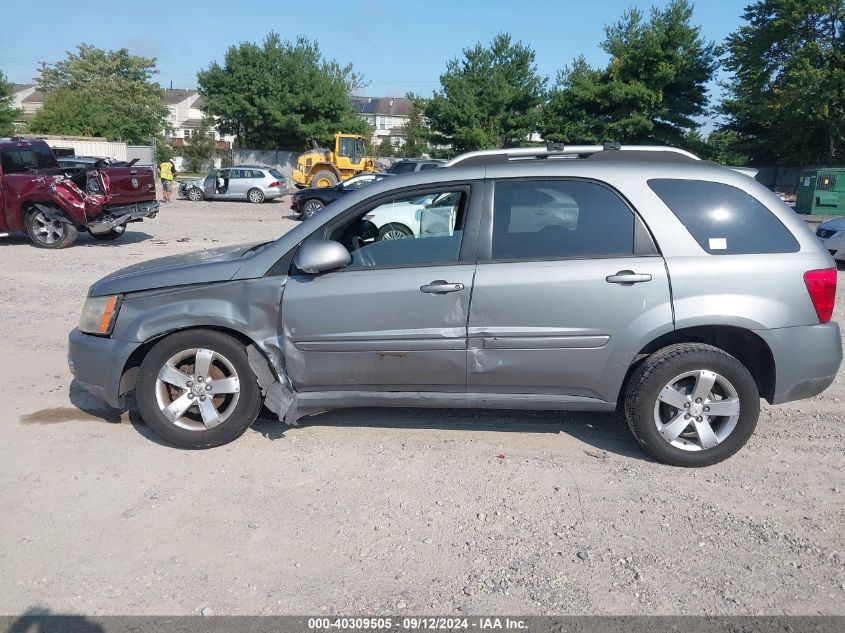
114 234
46 233
195 194
255 195
657 371
310 207
324 175
244 410
393 228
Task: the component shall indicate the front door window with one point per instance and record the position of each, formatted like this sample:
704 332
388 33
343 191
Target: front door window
407 230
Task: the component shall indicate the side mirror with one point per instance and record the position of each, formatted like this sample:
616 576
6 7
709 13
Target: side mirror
317 256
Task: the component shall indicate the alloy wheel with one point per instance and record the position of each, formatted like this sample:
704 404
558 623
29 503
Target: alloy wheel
697 410
394 234
46 230
197 389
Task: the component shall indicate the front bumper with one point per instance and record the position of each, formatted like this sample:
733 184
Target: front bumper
807 359
296 204
123 214
98 365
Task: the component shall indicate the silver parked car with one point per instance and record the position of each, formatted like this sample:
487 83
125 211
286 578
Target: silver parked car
596 278
244 182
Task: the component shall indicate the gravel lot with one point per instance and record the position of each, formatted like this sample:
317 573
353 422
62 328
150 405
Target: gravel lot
370 511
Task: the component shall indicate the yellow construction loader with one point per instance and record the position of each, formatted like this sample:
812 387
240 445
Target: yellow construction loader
321 167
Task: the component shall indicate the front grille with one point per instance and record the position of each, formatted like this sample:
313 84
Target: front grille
825 233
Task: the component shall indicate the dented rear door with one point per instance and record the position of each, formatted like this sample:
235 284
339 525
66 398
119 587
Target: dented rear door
563 302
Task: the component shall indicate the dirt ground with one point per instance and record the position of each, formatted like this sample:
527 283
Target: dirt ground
384 511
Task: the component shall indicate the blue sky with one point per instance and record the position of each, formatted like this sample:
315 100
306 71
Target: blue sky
399 46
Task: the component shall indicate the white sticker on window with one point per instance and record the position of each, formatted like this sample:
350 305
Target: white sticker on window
718 243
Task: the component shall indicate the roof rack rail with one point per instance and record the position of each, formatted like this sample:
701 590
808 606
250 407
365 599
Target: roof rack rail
561 151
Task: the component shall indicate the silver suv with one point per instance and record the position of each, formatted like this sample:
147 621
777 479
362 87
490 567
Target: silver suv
570 278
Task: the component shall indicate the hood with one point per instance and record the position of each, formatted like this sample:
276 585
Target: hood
833 225
311 190
217 264
196 182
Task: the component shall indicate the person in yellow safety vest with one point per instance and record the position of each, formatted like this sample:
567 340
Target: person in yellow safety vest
167 172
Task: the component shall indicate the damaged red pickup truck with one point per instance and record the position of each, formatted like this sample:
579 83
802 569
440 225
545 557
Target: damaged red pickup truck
52 204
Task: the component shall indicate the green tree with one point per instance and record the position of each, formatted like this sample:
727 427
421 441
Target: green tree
719 146
7 112
652 91
280 95
102 93
786 96
489 98
386 148
199 152
164 151
416 131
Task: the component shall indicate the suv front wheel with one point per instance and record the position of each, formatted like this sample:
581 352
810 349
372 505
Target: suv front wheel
691 404
195 389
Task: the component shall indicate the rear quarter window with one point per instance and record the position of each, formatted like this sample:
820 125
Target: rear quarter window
724 220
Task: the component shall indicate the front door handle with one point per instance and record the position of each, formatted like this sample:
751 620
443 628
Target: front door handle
441 286
627 278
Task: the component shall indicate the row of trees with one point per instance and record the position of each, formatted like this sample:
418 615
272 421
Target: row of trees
784 104
784 93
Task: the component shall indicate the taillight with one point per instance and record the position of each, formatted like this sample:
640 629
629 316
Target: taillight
275 183
821 284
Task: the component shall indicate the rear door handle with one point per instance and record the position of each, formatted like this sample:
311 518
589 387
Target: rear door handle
441 286
627 278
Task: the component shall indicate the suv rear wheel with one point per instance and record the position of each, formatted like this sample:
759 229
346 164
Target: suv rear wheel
196 390
692 405
48 232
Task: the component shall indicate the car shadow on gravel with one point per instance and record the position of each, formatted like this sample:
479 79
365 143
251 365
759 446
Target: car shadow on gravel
604 432
84 239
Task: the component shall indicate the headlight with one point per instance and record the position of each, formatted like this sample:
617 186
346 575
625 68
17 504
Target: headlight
98 315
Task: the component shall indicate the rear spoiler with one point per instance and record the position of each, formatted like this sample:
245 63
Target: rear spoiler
748 171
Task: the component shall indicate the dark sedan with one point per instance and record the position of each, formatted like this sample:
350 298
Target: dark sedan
307 202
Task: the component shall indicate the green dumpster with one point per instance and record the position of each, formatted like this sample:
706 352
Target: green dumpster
821 191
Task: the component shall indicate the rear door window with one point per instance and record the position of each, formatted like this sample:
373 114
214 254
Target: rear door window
558 219
724 220
20 159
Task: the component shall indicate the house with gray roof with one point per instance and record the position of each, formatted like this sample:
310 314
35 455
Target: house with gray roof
387 117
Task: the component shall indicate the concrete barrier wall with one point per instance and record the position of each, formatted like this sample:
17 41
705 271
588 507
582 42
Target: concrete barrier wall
282 160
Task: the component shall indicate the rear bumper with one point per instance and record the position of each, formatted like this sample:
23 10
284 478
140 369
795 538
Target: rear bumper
807 359
122 214
835 246
97 364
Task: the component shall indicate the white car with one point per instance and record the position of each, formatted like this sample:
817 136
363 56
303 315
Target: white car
428 216
832 235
